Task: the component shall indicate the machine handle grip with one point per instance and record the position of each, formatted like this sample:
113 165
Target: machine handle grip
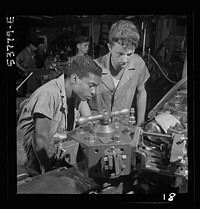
84 119
120 112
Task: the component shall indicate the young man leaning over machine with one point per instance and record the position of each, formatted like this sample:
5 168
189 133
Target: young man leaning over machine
124 72
46 112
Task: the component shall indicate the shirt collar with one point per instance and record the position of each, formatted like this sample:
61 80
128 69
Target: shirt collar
105 63
61 85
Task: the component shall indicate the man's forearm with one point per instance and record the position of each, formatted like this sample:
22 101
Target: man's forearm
84 108
20 67
141 107
41 151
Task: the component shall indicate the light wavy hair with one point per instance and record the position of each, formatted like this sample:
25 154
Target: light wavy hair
125 33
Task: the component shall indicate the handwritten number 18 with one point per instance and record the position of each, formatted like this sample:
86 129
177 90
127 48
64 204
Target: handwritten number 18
171 196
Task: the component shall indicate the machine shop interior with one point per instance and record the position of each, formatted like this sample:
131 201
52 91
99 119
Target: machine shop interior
112 157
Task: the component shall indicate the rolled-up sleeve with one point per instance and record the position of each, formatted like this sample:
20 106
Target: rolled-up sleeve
143 76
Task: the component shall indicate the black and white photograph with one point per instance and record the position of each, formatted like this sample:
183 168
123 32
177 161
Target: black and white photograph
101 104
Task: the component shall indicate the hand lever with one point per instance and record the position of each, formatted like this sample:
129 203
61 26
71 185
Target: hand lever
104 116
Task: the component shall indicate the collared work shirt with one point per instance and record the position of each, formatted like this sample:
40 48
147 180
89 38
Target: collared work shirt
117 98
49 100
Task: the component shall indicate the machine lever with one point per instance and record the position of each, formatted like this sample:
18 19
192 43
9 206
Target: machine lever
105 116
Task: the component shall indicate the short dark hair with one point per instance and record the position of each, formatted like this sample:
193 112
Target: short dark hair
82 66
33 40
125 33
82 39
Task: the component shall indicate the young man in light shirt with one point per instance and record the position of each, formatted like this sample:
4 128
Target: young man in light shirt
46 112
124 73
